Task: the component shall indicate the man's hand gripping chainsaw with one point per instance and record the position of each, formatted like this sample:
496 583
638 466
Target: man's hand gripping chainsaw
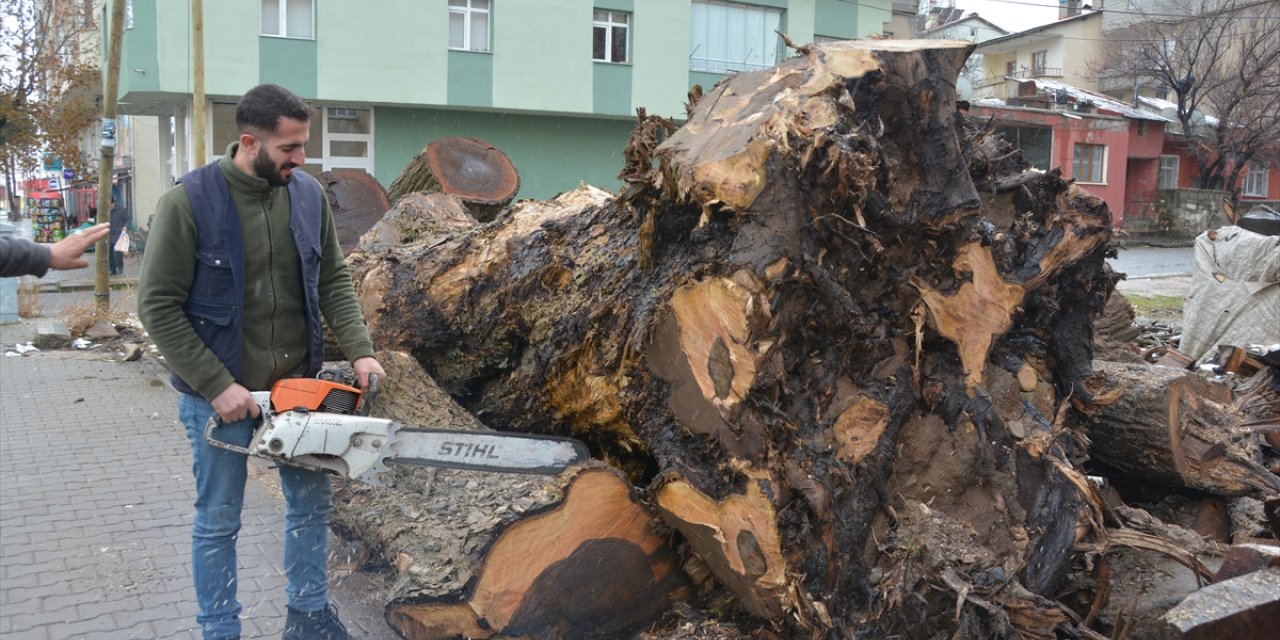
313 423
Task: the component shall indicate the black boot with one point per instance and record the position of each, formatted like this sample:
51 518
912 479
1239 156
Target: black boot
314 625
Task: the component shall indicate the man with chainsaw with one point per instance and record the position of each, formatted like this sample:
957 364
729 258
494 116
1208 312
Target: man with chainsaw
242 262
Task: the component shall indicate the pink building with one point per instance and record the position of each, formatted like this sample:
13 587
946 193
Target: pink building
1109 148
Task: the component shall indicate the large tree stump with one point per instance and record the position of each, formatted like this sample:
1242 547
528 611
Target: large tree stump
475 171
1175 427
481 554
798 329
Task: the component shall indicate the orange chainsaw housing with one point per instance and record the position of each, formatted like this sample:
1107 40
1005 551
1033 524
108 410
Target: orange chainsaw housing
312 394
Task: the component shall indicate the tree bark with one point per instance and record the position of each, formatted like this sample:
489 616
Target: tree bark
799 331
475 171
1176 427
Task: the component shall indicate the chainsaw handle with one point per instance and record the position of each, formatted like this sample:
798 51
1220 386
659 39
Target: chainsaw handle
369 395
214 422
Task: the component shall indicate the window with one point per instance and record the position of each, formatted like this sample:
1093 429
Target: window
609 36
341 137
1011 68
287 18
1039 62
223 130
1255 181
730 37
1088 163
1168 176
469 25
348 138
1036 143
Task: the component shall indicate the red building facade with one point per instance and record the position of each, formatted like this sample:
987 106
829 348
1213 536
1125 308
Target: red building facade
1115 157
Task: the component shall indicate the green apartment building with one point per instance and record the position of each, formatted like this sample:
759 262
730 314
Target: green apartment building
553 83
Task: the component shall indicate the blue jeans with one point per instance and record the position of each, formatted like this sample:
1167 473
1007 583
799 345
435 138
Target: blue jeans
220 480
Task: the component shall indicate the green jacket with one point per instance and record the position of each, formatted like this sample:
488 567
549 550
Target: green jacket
275 333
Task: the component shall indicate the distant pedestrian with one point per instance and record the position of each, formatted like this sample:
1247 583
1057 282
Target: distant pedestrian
120 219
22 257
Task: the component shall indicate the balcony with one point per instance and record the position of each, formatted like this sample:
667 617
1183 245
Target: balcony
1037 72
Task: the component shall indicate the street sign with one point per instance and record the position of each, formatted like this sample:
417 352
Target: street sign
68 175
53 184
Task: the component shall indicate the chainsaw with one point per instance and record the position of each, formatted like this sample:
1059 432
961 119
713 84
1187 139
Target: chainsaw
314 423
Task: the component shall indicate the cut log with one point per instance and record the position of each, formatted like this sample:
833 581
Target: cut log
357 202
1114 333
1243 608
485 554
475 171
1175 427
1247 558
798 288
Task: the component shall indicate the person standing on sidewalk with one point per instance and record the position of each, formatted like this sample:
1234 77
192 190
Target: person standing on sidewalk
120 219
242 261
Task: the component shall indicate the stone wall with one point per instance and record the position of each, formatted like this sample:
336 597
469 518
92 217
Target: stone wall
1183 214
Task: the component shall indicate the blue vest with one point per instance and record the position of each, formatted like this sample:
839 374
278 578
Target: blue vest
215 302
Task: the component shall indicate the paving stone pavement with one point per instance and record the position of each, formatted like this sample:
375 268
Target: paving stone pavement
96 506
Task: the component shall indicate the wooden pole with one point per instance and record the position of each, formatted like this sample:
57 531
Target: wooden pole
197 63
106 158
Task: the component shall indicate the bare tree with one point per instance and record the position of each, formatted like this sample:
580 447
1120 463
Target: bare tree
1220 60
48 83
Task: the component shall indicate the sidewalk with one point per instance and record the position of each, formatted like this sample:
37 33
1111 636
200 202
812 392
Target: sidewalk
96 507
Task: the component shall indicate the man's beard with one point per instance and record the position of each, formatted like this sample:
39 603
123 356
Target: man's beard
267 170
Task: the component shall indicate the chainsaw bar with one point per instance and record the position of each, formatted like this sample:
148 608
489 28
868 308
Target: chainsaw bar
481 450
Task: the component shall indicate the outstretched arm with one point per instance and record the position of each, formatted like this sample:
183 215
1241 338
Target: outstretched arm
66 254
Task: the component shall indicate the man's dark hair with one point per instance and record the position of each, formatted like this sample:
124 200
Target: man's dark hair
263 106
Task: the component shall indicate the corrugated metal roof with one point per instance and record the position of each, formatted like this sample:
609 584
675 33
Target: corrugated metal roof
1170 110
1107 103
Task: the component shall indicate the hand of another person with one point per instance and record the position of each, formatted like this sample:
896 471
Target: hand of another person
235 403
365 366
67 251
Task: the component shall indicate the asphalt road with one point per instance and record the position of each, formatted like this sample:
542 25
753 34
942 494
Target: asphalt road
1138 262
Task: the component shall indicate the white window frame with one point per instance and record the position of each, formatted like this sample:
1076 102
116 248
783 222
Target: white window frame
330 162
467 10
769 55
608 25
1168 165
325 160
282 6
1075 162
1257 180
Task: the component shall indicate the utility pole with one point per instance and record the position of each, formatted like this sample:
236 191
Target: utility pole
106 157
197 62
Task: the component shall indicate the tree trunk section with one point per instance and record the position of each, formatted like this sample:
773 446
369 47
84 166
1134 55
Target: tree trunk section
357 202
832 367
480 554
475 171
1243 608
1176 427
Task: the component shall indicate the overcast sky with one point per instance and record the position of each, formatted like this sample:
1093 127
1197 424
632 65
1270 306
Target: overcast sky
1012 15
